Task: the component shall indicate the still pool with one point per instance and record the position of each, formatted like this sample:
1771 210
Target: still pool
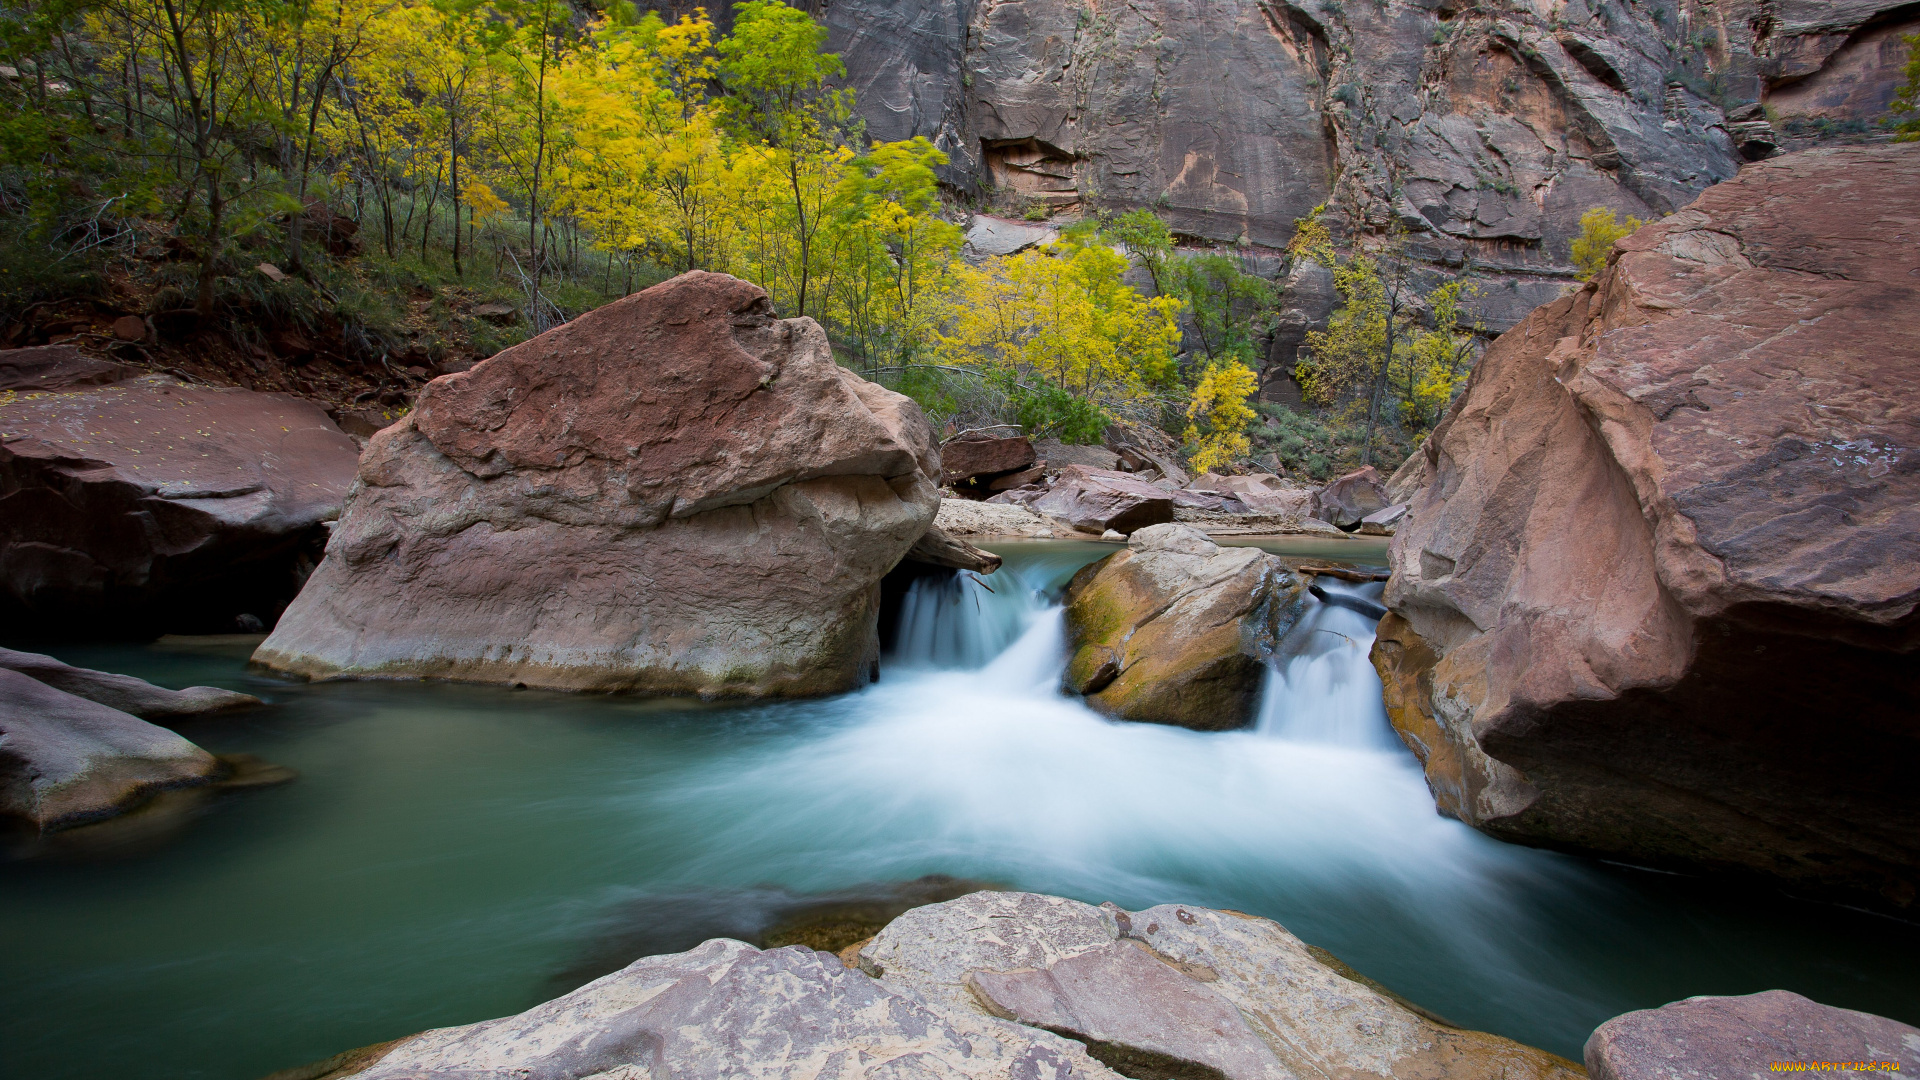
452 853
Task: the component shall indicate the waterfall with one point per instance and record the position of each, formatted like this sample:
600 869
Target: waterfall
1322 688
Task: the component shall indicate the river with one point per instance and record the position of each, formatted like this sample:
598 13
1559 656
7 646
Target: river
452 853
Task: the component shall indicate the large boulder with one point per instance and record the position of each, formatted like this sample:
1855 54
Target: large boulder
1176 629
1744 1038
675 493
67 761
1179 991
124 692
137 505
1347 501
1095 500
1656 598
971 463
729 1009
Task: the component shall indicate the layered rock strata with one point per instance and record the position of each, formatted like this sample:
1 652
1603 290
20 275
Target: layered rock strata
133 503
1176 629
675 493
1656 598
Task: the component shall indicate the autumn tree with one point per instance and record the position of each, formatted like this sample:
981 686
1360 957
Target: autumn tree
1599 228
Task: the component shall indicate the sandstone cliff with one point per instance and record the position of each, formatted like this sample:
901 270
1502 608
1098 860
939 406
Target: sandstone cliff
1656 599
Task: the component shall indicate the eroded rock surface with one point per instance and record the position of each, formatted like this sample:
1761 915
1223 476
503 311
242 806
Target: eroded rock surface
1739 1038
675 493
1656 598
1178 990
1175 629
67 761
144 504
1348 500
124 692
728 1009
1095 500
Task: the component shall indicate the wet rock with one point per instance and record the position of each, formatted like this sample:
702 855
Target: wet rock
1347 501
1172 630
1180 991
674 493
726 1009
146 505
938 548
1095 500
1737 1038
124 692
1672 531
65 761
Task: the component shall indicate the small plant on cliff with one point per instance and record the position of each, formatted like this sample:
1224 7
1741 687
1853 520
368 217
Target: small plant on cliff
1906 99
1599 228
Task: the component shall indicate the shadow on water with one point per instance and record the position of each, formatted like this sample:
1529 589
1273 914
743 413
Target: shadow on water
454 853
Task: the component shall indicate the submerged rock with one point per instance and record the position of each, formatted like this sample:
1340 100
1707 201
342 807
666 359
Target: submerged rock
1175 629
1656 598
145 505
65 761
1178 990
124 692
729 1009
675 493
1738 1038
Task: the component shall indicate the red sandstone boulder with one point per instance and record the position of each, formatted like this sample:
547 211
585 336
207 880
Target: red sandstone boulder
1347 501
148 505
675 493
1656 598
972 463
1743 1038
1096 500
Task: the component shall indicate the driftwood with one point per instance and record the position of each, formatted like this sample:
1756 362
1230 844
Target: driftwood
1345 575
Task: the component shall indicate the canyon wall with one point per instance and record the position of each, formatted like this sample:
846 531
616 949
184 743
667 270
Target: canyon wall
1487 129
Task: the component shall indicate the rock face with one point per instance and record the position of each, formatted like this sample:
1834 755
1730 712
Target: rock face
137 505
67 761
1737 1038
124 692
1347 501
1656 599
728 1009
1095 500
1174 629
1178 991
969 465
674 493
1486 130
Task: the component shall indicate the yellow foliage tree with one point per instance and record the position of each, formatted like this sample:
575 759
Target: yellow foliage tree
1217 415
1599 228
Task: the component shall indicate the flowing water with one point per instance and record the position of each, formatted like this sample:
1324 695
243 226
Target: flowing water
454 853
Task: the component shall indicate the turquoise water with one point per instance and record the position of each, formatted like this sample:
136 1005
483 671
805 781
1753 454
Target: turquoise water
454 853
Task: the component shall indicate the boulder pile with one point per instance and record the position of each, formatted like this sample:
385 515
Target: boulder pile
1656 596
134 503
675 493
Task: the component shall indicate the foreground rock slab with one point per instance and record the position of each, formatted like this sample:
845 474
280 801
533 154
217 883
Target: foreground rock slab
674 493
146 505
66 761
1656 596
1095 500
1174 629
1178 990
124 692
1740 1038
728 1009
